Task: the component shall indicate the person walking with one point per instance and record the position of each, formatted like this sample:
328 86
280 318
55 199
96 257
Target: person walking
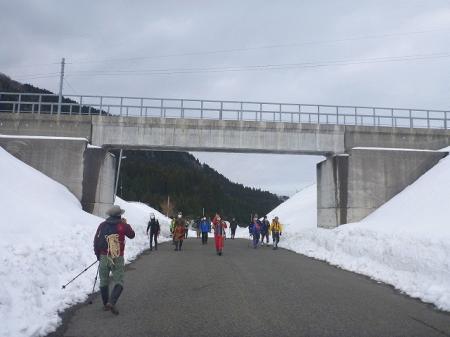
109 247
255 231
178 232
276 229
219 233
153 226
205 228
186 229
265 226
197 228
233 226
172 229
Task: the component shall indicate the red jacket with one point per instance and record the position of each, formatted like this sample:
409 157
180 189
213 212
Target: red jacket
218 226
112 225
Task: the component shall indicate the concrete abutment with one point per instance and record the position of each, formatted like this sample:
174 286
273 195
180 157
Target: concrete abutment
350 187
88 173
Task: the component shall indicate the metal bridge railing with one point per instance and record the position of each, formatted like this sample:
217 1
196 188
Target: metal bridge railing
222 110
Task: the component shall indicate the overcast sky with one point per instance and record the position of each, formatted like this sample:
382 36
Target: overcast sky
382 53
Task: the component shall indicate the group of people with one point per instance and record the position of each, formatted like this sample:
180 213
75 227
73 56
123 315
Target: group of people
179 228
109 243
261 229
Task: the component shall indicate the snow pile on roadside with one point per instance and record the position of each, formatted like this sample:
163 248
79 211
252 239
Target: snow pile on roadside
46 241
138 215
405 243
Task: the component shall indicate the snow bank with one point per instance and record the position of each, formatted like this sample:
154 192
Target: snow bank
46 241
299 211
405 243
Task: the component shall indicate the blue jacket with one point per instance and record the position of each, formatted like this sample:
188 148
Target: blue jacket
205 226
255 228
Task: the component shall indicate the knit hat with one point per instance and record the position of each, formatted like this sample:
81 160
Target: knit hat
115 211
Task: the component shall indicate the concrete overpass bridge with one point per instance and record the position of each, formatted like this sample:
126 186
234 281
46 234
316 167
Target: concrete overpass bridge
358 175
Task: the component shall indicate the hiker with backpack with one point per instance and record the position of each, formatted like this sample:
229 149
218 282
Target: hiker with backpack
205 228
265 226
153 226
219 233
178 232
276 229
255 231
109 246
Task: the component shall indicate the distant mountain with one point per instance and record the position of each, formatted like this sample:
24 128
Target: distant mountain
151 177
9 85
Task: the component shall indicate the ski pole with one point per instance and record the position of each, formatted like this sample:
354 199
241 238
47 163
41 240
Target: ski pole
64 286
95 282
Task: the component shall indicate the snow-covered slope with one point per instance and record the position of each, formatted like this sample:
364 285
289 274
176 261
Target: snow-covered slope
299 211
46 241
405 243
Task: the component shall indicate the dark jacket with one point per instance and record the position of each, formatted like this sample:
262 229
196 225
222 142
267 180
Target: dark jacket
153 225
265 225
111 226
233 224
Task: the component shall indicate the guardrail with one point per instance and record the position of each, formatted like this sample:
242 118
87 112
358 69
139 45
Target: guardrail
222 110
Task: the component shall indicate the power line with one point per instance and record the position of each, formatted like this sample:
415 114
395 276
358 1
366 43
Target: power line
244 49
262 67
33 65
68 84
246 68
25 78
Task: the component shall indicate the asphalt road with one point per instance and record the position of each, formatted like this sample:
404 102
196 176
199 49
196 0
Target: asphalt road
250 292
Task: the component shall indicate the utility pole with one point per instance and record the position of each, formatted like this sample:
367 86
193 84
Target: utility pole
168 205
61 80
117 173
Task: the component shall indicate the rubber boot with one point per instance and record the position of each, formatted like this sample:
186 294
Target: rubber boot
104 291
115 294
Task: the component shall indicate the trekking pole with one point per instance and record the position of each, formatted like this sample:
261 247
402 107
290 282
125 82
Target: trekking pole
64 286
95 282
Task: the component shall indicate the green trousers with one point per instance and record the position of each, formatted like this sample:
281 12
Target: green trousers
115 267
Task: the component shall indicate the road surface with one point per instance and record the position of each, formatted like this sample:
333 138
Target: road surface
249 292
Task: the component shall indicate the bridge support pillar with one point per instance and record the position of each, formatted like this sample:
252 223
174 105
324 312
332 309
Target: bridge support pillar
98 181
350 187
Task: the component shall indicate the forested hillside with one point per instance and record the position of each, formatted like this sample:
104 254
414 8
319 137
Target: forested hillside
151 177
